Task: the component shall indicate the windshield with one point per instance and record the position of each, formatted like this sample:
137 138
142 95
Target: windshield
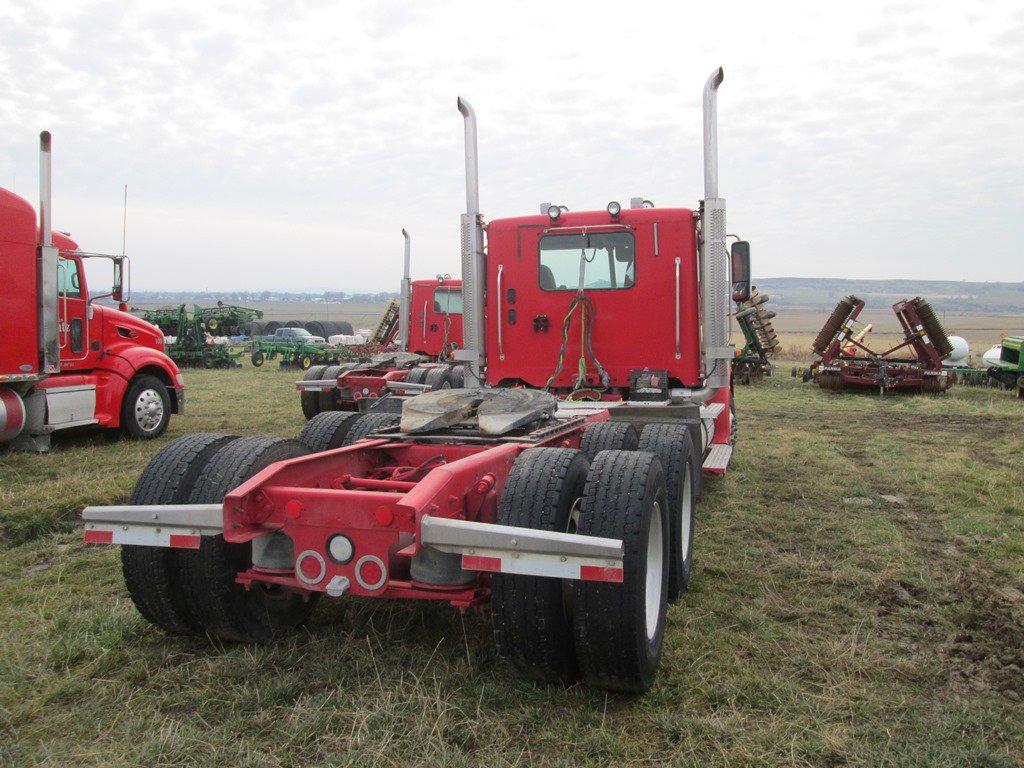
609 259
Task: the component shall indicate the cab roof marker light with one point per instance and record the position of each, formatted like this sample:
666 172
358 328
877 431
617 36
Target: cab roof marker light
614 209
554 212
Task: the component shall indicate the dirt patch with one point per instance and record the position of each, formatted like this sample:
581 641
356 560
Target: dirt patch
989 644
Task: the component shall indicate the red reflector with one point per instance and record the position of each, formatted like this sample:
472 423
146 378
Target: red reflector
310 568
184 541
383 516
481 563
370 572
597 573
93 536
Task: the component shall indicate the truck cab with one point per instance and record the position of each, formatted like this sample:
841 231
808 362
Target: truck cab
65 359
639 286
435 317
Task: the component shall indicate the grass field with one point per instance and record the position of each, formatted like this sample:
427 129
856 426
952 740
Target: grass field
825 626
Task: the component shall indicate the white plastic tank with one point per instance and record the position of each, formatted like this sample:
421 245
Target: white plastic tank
961 351
991 357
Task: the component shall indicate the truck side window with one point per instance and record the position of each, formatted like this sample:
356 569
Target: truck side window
609 259
448 301
67 278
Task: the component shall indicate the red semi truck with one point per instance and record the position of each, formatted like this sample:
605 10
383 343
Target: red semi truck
428 332
65 360
558 487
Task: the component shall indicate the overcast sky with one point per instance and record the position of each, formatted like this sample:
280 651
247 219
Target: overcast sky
284 145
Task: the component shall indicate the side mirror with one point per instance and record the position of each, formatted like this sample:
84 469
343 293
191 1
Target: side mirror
740 257
117 290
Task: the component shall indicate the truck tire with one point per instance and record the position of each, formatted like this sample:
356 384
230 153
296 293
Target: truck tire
672 445
223 608
366 424
146 408
150 573
532 626
327 430
458 376
327 398
618 628
417 375
311 400
609 436
437 377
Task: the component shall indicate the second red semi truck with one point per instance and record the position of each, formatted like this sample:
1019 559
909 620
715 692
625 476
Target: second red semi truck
558 486
67 361
416 357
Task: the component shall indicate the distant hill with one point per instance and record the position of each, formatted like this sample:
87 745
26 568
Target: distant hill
946 295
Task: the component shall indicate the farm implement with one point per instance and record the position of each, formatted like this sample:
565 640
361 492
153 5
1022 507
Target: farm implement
221 320
847 362
296 354
1008 371
190 347
753 362
560 496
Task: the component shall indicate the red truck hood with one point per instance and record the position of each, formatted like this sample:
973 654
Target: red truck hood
121 326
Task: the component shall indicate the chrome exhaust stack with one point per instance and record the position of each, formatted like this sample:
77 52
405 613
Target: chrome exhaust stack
405 295
473 266
714 261
46 267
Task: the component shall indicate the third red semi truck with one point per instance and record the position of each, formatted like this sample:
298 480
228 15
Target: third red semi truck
65 360
557 486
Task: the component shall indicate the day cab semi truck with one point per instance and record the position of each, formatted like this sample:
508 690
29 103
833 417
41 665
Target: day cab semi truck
557 486
425 330
65 360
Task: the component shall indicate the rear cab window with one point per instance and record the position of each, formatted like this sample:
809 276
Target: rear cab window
608 260
448 301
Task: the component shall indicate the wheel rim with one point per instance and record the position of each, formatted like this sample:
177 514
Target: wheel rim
655 563
149 410
686 512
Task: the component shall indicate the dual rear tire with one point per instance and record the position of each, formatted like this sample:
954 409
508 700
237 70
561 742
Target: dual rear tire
194 592
610 635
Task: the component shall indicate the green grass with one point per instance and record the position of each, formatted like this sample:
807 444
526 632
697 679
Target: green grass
818 632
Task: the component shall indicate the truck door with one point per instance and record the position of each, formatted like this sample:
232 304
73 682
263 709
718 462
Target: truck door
73 331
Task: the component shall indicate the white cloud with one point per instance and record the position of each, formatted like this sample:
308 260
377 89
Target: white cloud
285 145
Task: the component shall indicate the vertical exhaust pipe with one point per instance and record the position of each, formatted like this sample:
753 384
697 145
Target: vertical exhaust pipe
711 133
404 302
714 262
45 191
473 266
46 267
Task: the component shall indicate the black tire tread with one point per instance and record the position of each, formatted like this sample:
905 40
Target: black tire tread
609 436
326 399
608 634
368 423
326 431
531 629
311 400
150 573
672 445
224 609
